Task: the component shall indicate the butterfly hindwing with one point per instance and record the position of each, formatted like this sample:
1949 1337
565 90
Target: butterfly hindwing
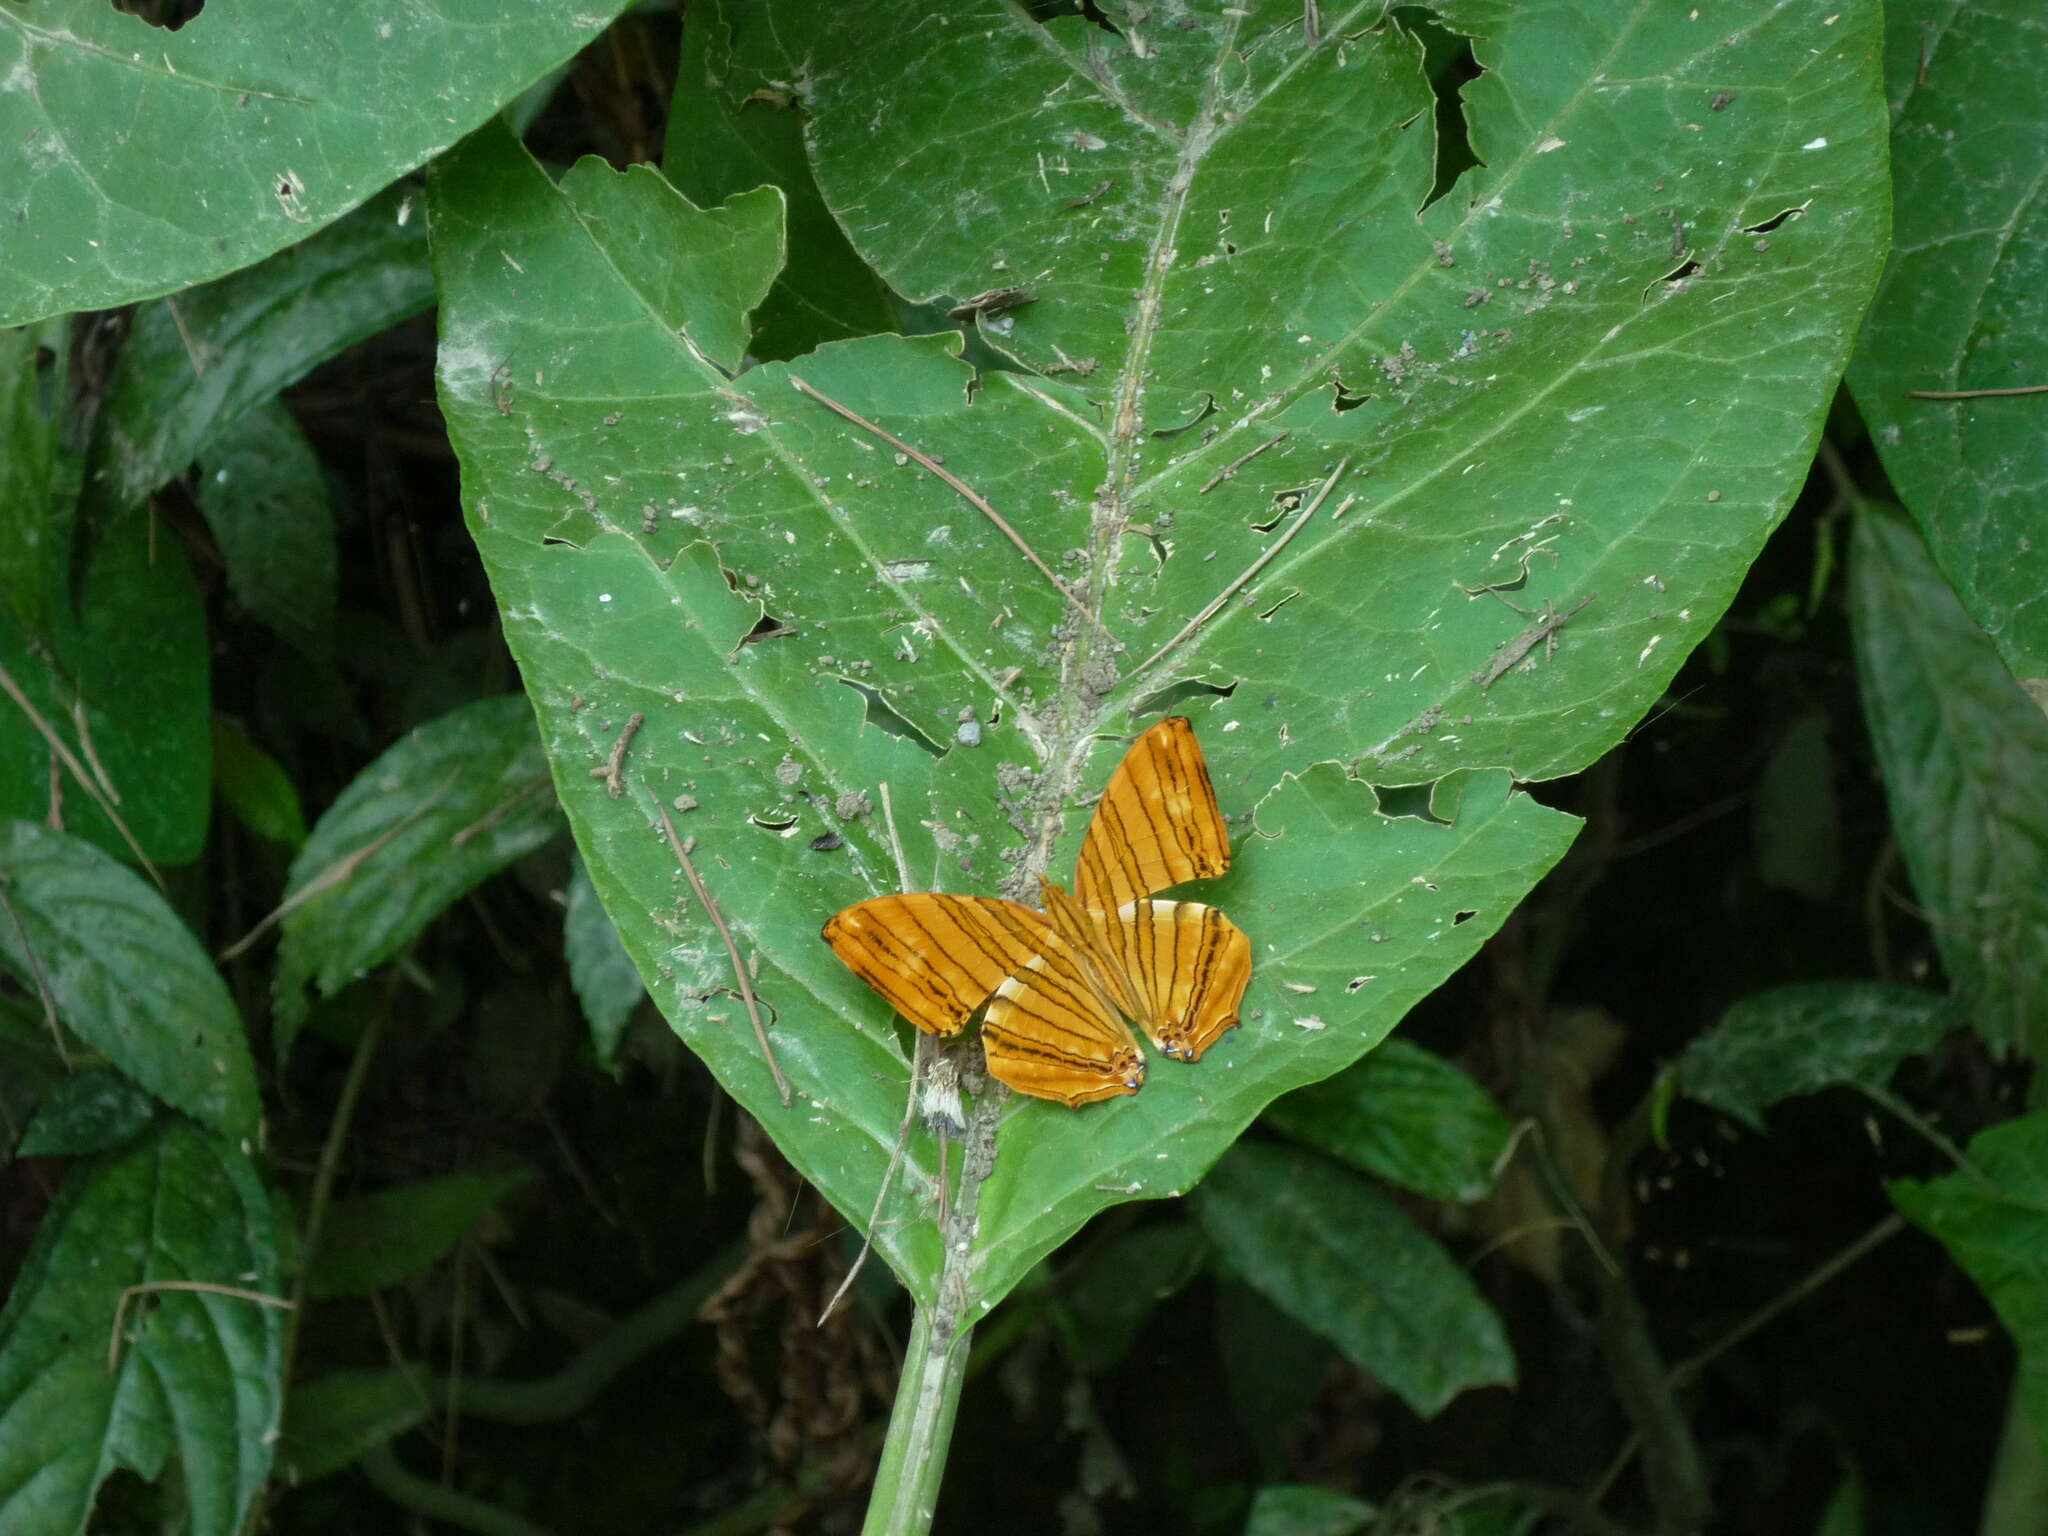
1185 967
1050 1033
1156 825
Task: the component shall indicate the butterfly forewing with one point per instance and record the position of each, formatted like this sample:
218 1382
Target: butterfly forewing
936 957
1156 825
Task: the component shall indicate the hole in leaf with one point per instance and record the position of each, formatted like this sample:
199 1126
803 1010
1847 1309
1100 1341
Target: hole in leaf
1678 274
1410 800
1208 409
774 821
1095 13
1463 917
1449 64
883 717
830 842
1171 697
1775 220
1357 983
767 627
1267 616
1344 400
1284 503
168 14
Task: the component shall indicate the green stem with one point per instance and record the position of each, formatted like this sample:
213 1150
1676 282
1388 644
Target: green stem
906 1490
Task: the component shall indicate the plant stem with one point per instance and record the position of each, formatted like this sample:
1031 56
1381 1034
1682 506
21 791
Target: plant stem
906 1491
913 1462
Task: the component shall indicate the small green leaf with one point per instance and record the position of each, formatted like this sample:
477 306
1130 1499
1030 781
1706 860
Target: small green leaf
1959 309
304 112
599 968
254 785
193 364
1803 1038
1844 1514
1964 752
93 1112
448 807
197 1379
735 123
1995 1225
1405 1115
125 975
1340 1259
264 496
30 1068
377 1240
330 1422
1301 1509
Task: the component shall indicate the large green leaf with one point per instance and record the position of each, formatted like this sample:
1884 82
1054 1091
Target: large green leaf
1963 306
139 160
643 511
1965 756
1321 1245
1993 1220
183 1216
122 972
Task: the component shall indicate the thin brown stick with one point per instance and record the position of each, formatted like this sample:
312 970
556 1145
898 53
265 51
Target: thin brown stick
1974 394
739 969
867 1242
341 869
1235 465
63 754
1258 565
960 487
206 1287
613 785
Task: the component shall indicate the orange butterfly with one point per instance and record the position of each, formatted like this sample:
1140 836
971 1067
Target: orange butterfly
1055 981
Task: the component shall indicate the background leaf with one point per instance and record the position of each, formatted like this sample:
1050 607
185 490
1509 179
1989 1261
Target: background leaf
1961 308
253 784
305 114
642 514
330 1422
1815 1035
607 985
1299 1509
1996 1227
125 975
264 496
91 1112
449 806
195 363
121 678
1328 1251
1406 1115
198 1371
376 1240
1965 758
736 123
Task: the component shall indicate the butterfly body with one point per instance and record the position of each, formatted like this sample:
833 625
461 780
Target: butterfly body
1055 982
